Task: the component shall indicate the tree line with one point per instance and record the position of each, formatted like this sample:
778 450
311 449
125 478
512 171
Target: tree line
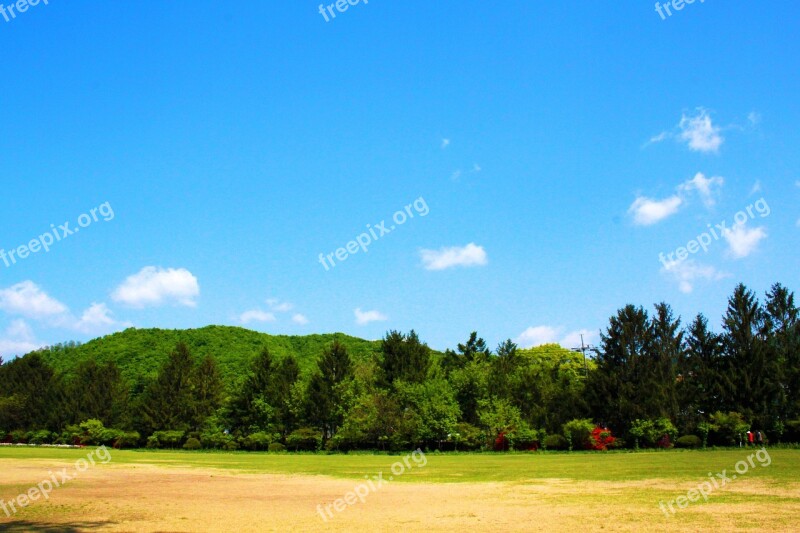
651 382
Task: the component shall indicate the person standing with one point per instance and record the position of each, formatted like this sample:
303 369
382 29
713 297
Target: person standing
750 438
760 438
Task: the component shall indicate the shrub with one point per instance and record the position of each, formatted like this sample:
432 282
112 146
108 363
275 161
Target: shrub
727 428
127 439
258 441
307 439
468 437
689 441
192 444
555 442
277 447
218 440
601 439
578 432
18 436
524 438
653 433
165 439
40 437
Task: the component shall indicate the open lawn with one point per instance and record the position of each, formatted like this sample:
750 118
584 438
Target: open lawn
203 491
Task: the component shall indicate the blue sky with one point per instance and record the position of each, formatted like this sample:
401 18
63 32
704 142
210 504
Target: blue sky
556 150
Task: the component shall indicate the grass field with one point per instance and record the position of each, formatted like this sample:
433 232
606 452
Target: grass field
185 491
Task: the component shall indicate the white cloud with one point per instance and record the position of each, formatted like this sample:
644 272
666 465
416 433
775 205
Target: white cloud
365 317
536 336
743 241
300 319
256 315
700 133
444 258
687 272
455 176
29 300
476 168
154 286
756 188
754 118
18 340
655 139
445 143
98 317
278 306
708 188
647 211
539 335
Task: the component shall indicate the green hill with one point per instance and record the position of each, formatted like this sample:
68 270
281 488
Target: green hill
140 352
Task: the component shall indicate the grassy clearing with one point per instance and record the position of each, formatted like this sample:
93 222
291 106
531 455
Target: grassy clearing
216 491
447 468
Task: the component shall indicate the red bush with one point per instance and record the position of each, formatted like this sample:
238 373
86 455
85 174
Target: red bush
601 439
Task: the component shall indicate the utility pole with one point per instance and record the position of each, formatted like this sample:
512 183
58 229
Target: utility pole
583 349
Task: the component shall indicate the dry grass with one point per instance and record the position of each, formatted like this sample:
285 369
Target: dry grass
146 497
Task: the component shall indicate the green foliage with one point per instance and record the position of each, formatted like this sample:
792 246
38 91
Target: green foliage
728 429
405 358
192 444
304 439
689 441
578 433
258 441
555 442
42 436
277 447
499 416
166 439
467 437
217 439
524 438
649 433
139 353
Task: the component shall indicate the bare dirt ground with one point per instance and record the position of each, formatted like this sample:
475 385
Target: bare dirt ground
157 499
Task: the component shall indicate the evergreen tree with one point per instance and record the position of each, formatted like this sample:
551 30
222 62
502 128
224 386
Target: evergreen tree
167 402
405 358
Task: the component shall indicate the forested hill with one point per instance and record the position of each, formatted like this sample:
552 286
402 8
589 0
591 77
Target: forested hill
139 353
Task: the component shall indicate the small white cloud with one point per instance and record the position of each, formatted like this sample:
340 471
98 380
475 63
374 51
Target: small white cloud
647 211
663 136
754 118
300 319
456 256
445 143
688 272
476 168
743 241
256 315
29 300
278 306
756 188
708 188
153 286
700 133
98 317
455 176
537 335
365 317
18 340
